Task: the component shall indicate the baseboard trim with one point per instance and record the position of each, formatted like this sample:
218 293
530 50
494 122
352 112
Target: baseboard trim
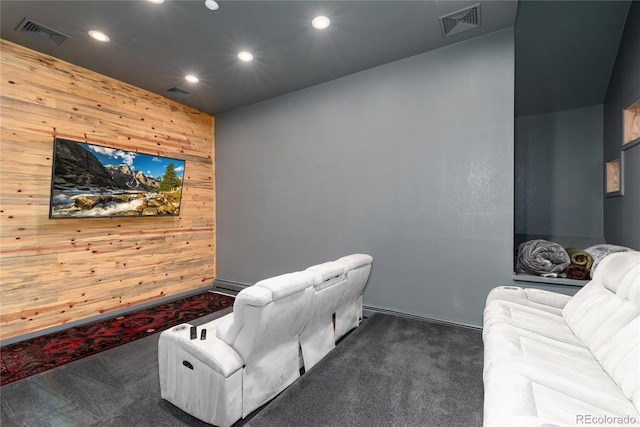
230 285
369 310
103 316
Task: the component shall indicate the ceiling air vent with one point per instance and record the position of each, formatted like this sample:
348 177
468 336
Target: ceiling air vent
42 32
460 21
178 91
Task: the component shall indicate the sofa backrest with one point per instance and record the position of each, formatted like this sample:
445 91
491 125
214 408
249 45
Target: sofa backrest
267 320
605 315
272 308
350 310
358 270
317 337
329 273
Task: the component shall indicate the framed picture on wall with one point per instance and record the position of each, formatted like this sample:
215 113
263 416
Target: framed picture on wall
614 177
631 124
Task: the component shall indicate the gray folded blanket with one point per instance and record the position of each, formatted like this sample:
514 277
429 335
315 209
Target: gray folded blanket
542 258
599 252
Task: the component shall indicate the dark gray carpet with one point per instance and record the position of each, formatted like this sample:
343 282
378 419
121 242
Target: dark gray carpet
117 387
391 371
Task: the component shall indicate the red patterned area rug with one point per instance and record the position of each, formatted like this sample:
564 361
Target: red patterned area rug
29 357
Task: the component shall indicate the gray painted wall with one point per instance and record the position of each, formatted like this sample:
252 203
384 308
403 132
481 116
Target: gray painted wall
411 162
558 170
622 214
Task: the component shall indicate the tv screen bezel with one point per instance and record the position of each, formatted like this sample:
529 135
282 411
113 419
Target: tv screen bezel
122 152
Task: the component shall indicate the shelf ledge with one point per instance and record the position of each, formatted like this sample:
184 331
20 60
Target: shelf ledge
561 281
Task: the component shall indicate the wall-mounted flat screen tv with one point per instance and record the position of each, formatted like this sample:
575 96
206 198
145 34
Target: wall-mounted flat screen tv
97 181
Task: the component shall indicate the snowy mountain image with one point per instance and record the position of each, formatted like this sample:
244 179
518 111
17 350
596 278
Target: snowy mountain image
94 181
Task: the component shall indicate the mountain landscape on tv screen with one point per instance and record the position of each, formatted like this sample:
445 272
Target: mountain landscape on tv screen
88 181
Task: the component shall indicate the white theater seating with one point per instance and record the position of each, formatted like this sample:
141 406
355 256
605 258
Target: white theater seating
318 337
554 360
252 354
264 331
349 312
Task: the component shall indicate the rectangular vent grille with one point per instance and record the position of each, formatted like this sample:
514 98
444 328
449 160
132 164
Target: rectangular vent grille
460 21
178 91
42 32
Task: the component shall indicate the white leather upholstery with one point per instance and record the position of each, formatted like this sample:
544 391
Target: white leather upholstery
605 316
265 333
187 367
317 337
252 354
557 360
349 312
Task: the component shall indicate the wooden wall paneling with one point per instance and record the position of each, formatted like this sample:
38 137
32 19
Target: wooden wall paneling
53 271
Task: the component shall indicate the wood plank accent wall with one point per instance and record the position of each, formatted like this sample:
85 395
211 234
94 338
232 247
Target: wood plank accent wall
56 271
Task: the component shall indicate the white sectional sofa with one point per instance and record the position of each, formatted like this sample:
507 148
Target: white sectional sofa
249 356
554 360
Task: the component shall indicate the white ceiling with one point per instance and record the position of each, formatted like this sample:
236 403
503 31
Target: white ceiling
154 46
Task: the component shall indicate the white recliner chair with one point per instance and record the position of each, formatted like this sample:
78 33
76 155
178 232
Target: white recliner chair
267 336
248 357
318 337
349 312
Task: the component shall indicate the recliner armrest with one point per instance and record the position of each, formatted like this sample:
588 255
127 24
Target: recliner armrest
549 298
528 296
214 353
211 351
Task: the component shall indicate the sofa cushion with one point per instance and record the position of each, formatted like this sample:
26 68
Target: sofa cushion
222 329
605 316
536 311
504 342
528 390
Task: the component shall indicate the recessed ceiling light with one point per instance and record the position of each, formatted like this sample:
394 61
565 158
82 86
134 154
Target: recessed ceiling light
320 22
156 1
245 56
101 37
191 78
211 4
